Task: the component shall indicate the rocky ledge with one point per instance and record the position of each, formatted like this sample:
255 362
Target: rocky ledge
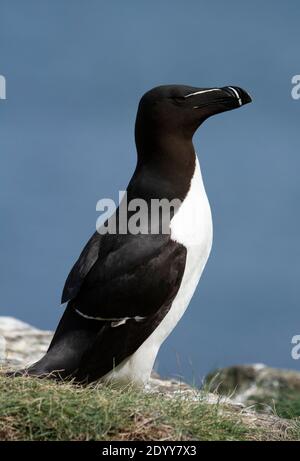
20 343
233 389
256 384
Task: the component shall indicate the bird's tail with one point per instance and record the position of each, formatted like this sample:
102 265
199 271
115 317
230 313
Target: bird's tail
73 337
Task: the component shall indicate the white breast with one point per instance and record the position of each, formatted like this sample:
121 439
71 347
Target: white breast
192 227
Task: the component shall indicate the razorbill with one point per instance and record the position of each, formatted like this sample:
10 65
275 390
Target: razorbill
127 291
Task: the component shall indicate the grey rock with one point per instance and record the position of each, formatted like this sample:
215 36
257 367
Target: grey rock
20 343
249 384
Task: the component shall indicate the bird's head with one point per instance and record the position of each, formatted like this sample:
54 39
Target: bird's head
180 110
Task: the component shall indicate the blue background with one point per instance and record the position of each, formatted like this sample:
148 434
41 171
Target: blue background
75 71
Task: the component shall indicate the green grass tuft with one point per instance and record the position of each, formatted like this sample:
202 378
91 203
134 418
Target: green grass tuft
35 409
285 405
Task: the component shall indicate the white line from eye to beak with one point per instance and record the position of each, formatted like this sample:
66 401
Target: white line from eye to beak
202 91
237 95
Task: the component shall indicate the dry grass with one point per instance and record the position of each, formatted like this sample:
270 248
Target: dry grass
34 409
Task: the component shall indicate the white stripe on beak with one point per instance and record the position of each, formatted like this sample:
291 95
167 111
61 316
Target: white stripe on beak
202 92
237 95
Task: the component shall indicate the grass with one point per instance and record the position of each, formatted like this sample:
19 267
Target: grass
285 405
35 409
288 404
274 390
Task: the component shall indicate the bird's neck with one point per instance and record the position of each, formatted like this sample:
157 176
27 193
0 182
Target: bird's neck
168 161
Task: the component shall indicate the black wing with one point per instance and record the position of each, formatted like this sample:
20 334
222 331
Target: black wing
133 276
140 276
86 260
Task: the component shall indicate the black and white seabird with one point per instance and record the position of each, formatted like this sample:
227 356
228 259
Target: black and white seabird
126 292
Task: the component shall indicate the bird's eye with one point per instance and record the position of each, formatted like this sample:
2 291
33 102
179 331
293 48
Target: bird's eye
179 99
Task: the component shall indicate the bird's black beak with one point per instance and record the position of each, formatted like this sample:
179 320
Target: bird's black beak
237 93
211 101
